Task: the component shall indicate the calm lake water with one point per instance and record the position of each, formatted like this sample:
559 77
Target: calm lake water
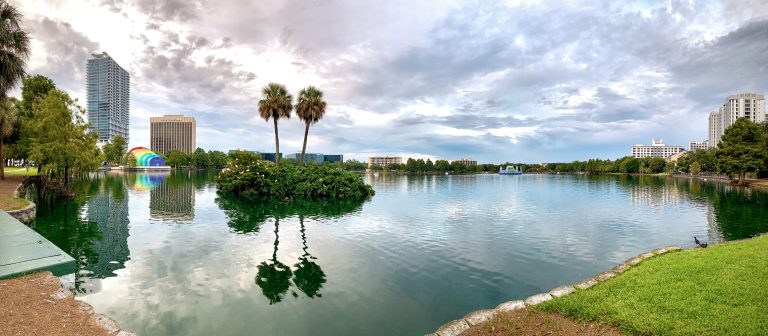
165 255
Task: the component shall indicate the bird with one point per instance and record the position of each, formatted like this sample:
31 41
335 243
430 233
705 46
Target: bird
700 244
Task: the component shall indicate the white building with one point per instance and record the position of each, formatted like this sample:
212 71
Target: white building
656 149
742 105
698 145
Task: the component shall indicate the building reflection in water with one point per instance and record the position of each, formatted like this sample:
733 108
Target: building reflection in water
108 209
173 199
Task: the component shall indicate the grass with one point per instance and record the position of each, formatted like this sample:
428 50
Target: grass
8 203
720 290
21 171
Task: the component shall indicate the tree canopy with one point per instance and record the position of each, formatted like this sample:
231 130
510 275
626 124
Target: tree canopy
741 149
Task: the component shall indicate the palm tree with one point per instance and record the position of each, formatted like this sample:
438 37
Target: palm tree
310 108
277 103
14 48
8 118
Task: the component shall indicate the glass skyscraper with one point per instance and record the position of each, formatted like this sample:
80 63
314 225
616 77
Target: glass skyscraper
108 97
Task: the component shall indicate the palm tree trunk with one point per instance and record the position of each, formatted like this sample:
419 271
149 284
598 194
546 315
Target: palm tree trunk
2 161
304 148
277 143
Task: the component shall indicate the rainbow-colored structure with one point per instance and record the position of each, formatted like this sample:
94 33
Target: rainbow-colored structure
146 157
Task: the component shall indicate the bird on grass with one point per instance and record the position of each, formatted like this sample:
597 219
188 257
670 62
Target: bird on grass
698 243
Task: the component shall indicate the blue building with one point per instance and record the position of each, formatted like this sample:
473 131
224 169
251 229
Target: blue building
320 158
108 97
270 156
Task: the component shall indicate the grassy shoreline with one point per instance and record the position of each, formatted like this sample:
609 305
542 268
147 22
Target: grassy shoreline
714 291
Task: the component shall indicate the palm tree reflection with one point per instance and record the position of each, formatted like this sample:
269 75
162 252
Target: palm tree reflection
274 277
309 277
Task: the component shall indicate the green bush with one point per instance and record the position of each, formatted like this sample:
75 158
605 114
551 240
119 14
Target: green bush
260 180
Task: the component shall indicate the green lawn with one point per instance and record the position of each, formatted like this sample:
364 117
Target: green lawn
720 290
21 171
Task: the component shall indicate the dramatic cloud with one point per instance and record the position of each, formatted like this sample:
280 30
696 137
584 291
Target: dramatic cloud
497 81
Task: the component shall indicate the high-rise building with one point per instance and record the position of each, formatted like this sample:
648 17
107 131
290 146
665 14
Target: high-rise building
742 105
108 97
172 132
656 149
320 158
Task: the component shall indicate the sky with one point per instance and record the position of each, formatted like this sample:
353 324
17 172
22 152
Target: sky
497 81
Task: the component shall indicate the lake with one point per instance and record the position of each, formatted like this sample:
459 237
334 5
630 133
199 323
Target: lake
166 255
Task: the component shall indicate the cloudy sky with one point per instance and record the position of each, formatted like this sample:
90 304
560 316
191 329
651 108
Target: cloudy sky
534 81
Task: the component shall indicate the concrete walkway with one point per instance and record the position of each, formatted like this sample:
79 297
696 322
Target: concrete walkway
24 251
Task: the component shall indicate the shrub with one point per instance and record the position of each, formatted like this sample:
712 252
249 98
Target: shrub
262 180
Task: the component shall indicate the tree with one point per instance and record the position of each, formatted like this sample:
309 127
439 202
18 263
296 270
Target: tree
217 159
177 158
33 87
14 48
741 149
8 116
695 168
310 108
277 103
115 151
200 158
59 137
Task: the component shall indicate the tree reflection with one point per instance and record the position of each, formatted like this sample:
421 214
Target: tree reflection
309 277
274 277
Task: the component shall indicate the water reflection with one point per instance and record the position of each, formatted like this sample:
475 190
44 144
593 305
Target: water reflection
173 199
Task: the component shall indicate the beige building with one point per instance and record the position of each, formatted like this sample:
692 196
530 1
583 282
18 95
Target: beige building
172 132
698 145
742 105
656 149
467 161
383 161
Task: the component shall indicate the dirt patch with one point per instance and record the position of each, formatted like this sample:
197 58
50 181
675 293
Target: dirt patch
27 307
7 187
531 322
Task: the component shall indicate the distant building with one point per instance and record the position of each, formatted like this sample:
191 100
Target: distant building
233 151
742 105
108 91
698 145
675 157
656 149
172 132
270 156
331 158
384 161
467 161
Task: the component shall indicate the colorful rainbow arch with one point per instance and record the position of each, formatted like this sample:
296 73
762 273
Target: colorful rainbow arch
146 157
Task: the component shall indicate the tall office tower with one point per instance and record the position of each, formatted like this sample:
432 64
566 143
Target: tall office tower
172 132
108 97
742 105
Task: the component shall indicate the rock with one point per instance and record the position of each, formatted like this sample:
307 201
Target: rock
453 328
645 255
673 248
84 306
604 276
562 291
125 333
538 298
510 306
586 284
61 294
634 261
105 323
480 316
620 268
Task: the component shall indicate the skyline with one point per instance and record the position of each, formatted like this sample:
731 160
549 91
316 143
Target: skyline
518 82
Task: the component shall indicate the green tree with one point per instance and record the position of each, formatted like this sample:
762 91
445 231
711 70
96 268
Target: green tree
310 108
130 160
14 48
695 168
32 88
217 159
59 137
177 158
200 158
8 116
741 149
442 165
115 151
276 103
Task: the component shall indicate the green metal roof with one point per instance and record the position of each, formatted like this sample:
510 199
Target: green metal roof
24 251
